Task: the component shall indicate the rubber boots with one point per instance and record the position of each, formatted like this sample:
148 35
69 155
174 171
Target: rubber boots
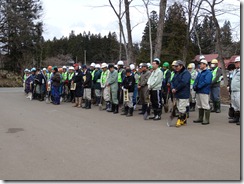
144 107
108 106
116 108
183 119
192 107
236 118
86 104
125 111
218 107
178 122
213 107
130 112
200 116
76 102
206 117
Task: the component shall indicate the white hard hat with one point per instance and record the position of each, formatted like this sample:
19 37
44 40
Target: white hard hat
97 66
93 64
104 65
26 70
149 64
132 66
158 60
71 68
204 61
64 67
44 69
238 59
202 57
116 66
174 63
120 63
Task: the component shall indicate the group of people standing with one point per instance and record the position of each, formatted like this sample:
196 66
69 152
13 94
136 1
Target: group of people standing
123 87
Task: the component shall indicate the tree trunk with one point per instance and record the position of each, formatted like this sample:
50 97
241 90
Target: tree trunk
128 26
219 47
159 38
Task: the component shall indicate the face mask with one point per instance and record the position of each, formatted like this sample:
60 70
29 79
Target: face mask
212 65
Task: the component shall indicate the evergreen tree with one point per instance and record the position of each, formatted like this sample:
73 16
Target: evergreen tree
21 33
174 33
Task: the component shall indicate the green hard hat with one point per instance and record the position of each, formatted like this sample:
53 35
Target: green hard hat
166 64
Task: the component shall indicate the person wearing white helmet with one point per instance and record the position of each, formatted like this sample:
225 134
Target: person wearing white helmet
121 76
235 91
215 86
193 72
202 87
155 89
26 71
97 84
105 88
70 78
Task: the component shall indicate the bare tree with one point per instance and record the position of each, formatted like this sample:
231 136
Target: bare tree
159 38
120 16
146 3
212 11
130 57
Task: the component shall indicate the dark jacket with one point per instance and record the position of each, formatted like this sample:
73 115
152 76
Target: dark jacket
56 78
181 83
87 79
129 83
78 79
96 80
203 82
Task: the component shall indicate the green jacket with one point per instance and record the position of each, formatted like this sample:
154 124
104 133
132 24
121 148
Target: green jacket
113 81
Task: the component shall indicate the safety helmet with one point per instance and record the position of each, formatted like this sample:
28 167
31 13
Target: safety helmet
33 69
44 69
156 59
166 64
26 70
237 59
104 65
149 64
71 68
49 67
120 63
174 63
64 67
97 66
191 65
214 61
93 65
115 66
132 66
202 57
204 61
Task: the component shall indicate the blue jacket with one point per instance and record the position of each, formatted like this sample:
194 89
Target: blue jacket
203 82
181 83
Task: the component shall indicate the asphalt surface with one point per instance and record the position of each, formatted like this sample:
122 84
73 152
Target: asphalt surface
42 141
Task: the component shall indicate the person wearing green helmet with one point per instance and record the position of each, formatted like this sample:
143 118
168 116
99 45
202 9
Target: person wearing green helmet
166 82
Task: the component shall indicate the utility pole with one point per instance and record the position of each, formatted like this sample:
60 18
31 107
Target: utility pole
85 57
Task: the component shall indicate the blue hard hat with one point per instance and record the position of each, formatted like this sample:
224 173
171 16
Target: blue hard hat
33 69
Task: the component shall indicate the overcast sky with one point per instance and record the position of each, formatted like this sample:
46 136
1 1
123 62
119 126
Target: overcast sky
62 16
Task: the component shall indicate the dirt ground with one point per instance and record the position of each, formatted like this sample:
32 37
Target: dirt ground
224 95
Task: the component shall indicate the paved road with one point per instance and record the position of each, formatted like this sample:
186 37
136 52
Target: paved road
41 141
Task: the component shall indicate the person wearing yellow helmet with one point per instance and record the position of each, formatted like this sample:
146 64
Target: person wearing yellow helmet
215 86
